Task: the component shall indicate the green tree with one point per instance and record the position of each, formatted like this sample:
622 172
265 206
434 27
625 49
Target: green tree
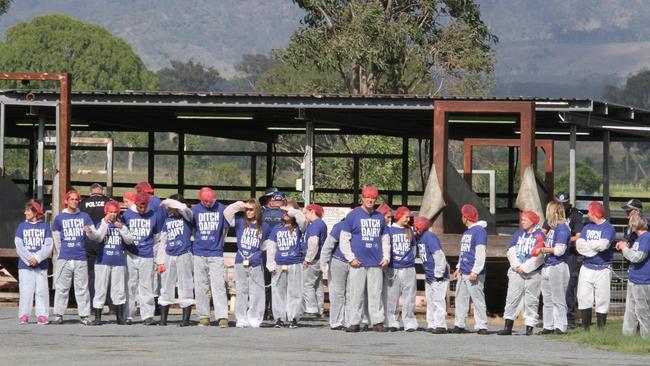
396 46
96 59
189 76
4 6
252 66
587 179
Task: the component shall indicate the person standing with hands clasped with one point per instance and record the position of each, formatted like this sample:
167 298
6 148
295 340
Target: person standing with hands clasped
365 243
33 245
315 236
470 272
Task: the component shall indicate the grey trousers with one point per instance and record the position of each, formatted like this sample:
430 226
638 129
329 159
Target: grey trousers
555 280
594 286
362 279
436 293
251 295
178 272
116 277
466 289
400 282
140 276
209 277
33 286
337 280
66 272
637 310
313 297
286 290
524 288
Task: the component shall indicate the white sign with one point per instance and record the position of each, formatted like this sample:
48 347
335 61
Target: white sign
332 215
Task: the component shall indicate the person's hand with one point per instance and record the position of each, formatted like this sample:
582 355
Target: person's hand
161 268
455 274
519 270
88 230
33 262
383 263
306 264
248 206
473 276
118 224
620 245
355 263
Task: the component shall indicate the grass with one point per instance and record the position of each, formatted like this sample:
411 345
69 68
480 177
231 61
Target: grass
609 339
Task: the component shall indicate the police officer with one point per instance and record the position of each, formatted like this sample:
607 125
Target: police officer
93 205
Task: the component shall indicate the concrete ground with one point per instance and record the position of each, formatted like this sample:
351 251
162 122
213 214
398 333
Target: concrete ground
71 344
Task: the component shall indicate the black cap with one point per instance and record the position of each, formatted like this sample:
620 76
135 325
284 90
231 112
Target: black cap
270 191
279 196
562 197
633 204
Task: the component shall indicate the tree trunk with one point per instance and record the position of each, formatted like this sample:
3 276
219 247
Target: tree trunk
356 78
130 164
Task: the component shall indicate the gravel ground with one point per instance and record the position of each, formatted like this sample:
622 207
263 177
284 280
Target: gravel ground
71 344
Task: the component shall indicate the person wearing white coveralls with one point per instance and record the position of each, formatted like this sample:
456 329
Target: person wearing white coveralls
315 236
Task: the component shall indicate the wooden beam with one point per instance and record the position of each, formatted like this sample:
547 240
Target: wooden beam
527 137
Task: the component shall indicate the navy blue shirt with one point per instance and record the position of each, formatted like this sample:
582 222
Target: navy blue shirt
210 231
402 247
33 235
562 235
316 228
73 236
112 248
289 249
472 237
249 241
428 244
143 229
367 230
605 230
639 273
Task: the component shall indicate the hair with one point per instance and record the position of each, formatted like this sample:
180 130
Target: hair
259 219
34 206
638 222
555 214
178 197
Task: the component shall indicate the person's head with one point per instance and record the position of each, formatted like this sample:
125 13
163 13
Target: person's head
112 210
278 199
402 216
387 212
207 196
288 220
632 207
33 211
175 197
144 187
129 199
638 223
71 200
96 188
563 199
369 196
528 220
555 214
142 202
253 211
268 194
421 224
314 212
469 215
595 211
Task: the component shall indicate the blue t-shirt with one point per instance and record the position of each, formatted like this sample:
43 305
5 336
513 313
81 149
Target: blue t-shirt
211 229
33 235
112 251
639 273
472 237
248 241
524 242
428 244
73 236
367 230
289 244
154 205
336 234
179 235
317 228
402 253
143 229
561 234
595 232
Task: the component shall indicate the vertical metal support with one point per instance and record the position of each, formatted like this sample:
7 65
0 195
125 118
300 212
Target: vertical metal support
109 167
253 175
56 198
40 156
32 152
269 164
572 165
511 176
355 179
440 157
467 163
405 171
308 172
63 134
2 139
181 163
527 138
151 158
606 141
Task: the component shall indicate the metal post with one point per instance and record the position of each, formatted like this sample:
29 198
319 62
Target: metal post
572 165
511 175
355 180
56 198
63 133
40 155
606 140
181 163
2 139
309 162
151 157
405 170
269 164
253 175
109 167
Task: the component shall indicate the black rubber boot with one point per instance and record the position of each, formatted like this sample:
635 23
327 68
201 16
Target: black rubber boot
187 312
507 329
529 330
601 320
119 314
156 309
586 319
164 311
98 316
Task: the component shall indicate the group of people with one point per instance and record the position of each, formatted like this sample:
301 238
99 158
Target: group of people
138 258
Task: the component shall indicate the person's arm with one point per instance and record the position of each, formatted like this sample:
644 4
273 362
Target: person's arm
559 249
162 245
301 220
440 263
182 208
230 211
326 252
385 246
271 247
511 254
312 248
583 248
345 243
126 235
24 254
532 263
99 234
634 256
479 258
56 237
598 245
